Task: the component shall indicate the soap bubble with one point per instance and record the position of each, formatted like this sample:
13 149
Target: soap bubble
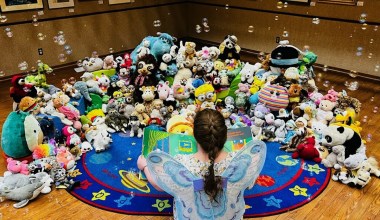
285 34
316 21
346 83
276 18
61 40
250 29
371 41
326 83
205 21
67 47
95 54
375 28
23 66
360 48
157 23
353 86
227 6
325 68
62 57
372 99
280 4
79 63
206 29
377 68
198 28
3 18
319 75
369 138
370 55
35 20
353 73
261 56
8 32
41 36
363 18
60 33
364 26
2 73
268 28
375 109
285 5
359 53
365 119
69 51
55 39
111 50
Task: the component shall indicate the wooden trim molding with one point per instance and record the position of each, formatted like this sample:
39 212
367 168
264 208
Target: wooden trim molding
340 2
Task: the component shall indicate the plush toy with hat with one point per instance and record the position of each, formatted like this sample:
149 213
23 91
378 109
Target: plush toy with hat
29 104
284 56
229 48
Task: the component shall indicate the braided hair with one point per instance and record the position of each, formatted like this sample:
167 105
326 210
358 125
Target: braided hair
210 131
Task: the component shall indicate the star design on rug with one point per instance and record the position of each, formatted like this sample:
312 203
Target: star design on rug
161 204
297 190
247 206
101 195
310 181
85 184
133 143
122 201
314 168
272 201
74 173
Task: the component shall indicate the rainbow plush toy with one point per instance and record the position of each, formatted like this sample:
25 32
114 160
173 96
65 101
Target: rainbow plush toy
44 150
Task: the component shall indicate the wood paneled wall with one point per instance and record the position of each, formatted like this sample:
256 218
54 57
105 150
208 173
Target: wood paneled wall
86 30
335 39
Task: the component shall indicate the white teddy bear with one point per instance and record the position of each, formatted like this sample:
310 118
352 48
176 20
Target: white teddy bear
324 112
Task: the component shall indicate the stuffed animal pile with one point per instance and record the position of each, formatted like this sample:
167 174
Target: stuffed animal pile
162 85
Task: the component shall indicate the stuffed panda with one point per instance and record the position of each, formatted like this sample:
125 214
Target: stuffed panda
335 135
229 48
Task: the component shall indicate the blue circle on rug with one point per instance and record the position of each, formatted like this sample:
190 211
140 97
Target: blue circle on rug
110 180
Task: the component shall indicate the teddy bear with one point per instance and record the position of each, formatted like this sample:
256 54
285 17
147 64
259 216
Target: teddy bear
324 112
140 112
144 49
331 95
294 93
248 72
229 48
69 89
335 135
307 150
109 62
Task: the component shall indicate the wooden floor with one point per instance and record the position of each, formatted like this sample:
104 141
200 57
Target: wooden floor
338 201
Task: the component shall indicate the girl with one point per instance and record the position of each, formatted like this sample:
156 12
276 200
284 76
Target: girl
210 183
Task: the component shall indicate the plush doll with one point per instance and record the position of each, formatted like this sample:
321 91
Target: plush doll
23 188
256 85
163 90
335 135
102 141
344 101
292 74
125 61
123 74
229 48
145 74
51 110
45 150
116 121
205 92
92 64
214 53
307 150
136 127
47 127
140 112
30 105
104 83
109 62
331 95
290 125
260 111
324 112
248 72
83 89
65 158
257 127
280 130
243 88
269 122
179 124
142 51
274 97
300 132
318 129
294 93
71 137
21 89
15 166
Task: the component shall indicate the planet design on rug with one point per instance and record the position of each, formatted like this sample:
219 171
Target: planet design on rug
132 181
286 160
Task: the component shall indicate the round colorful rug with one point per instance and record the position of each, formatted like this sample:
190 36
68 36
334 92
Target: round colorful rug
109 180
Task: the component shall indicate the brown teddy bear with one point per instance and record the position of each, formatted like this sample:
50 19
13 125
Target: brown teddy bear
141 114
294 93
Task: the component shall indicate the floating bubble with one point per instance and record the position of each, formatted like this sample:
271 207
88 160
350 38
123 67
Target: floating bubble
268 28
60 33
365 119
375 28
285 5
227 6
94 54
23 66
67 47
326 83
157 23
353 74
364 26
111 50
35 20
359 53
346 83
280 4
350 36
41 36
251 29
285 34
370 55
369 138
261 56
359 48
363 18
69 51
276 18
61 40
353 86
2 73
79 63
8 32
306 48
3 18
377 68
205 22
375 109
372 99
198 28
319 75
206 29
371 41
316 21
325 68
62 57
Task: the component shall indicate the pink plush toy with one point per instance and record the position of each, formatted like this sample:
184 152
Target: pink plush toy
65 158
163 90
331 95
71 136
243 88
15 166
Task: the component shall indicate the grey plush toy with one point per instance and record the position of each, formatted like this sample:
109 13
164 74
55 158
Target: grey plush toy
83 89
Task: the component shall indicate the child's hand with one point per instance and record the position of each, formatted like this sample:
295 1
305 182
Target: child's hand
141 162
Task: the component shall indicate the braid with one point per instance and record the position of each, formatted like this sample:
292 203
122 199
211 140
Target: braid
210 132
